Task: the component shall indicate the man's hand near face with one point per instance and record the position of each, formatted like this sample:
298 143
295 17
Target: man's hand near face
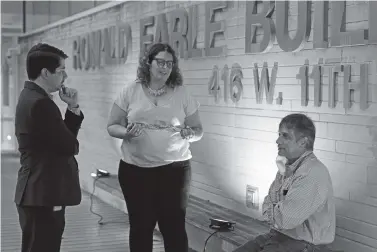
70 96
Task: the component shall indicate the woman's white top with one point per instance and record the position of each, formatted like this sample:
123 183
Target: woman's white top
157 145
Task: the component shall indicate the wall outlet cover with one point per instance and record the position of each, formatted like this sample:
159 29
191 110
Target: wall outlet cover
252 197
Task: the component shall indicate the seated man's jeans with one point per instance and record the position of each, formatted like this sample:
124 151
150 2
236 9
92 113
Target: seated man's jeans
277 242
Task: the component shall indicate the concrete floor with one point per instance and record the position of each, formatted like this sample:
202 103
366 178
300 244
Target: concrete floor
82 233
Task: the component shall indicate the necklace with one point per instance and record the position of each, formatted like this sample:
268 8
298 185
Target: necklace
157 92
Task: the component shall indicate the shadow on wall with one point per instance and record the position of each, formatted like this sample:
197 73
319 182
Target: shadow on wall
372 167
373 133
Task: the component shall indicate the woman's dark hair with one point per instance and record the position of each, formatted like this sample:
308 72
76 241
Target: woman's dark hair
42 56
143 73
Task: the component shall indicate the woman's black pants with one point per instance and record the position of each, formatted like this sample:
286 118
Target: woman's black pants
156 195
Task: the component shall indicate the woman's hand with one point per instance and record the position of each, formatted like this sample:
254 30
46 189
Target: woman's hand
187 133
133 130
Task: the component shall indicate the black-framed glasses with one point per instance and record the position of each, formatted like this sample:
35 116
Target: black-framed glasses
162 63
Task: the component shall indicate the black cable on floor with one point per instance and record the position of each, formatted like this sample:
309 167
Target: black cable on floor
100 222
205 244
91 202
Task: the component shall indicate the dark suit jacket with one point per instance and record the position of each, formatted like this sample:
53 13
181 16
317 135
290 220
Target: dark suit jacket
49 173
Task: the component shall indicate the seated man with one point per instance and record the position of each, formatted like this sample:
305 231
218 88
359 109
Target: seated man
300 204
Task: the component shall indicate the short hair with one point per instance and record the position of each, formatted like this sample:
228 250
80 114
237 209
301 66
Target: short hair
302 125
43 56
143 73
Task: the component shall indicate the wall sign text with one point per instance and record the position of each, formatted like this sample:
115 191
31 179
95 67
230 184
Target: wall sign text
265 83
114 44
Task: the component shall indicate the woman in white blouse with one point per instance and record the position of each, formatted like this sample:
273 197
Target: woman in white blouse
156 118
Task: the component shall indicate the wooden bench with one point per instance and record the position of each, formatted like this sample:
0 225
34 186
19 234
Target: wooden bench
198 216
200 211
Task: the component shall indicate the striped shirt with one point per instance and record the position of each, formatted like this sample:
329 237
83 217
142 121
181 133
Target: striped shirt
300 204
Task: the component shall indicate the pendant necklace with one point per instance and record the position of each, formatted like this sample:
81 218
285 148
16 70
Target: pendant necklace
157 92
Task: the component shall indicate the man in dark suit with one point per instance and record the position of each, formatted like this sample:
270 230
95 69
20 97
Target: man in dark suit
48 179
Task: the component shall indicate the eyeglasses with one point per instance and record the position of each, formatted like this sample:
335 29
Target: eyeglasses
161 63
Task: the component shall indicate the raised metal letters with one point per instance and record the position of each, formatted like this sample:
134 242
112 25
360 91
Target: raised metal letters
101 47
125 41
372 36
316 75
114 45
364 86
95 49
350 87
84 52
257 85
192 35
76 53
236 77
162 34
333 80
303 25
235 89
212 28
338 34
184 31
213 84
145 39
304 79
347 87
321 24
224 78
109 43
279 99
106 46
178 39
265 82
255 20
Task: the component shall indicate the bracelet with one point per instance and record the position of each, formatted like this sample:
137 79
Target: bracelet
191 131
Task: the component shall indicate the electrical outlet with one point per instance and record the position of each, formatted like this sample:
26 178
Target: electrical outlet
252 197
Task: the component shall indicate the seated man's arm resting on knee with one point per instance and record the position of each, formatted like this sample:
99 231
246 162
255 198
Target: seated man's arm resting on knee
304 197
271 199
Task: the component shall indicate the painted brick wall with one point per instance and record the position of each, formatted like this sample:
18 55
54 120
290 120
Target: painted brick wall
238 147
